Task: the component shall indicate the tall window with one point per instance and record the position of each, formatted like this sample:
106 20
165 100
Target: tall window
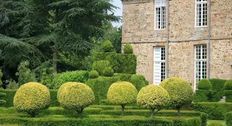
200 62
201 13
159 65
160 8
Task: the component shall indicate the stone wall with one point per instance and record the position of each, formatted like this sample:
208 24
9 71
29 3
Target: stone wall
139 30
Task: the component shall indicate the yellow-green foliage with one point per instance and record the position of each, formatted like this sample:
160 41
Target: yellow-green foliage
31 98
75 96
153 97
179 90
122 93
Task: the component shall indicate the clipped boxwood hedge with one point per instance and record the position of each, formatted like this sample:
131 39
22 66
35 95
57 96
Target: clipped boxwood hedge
228 119
215 110
8 98
217 89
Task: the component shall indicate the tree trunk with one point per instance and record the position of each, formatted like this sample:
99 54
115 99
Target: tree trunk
123 109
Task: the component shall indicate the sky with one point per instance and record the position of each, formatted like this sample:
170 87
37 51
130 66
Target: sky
118 12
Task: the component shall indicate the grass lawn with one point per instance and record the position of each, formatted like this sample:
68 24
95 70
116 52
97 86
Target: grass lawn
217 121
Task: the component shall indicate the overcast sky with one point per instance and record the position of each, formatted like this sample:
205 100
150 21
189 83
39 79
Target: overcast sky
118 12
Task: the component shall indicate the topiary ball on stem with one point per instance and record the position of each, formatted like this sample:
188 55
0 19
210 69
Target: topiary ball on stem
122 93
31 98
153 97
180 92
75 96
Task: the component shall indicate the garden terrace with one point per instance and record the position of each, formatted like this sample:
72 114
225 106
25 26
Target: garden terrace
100 115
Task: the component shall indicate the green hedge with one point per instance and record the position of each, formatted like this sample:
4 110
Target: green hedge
100 87
228 119
122 63
70 76
202 95
217 89
228 94
215 110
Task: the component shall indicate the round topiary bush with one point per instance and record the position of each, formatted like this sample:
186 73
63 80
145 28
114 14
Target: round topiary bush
122 93
108 72
180 92
93 74
107 46
228 85
31 98
100 66
128 49
204 84
75 96
153 97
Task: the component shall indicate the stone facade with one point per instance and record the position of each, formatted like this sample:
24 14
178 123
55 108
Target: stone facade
180 37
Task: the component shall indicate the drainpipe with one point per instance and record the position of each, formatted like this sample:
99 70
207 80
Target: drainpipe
209 40
167 42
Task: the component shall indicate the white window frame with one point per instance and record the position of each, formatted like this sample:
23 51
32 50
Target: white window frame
202 20
159 61
161 18
200 64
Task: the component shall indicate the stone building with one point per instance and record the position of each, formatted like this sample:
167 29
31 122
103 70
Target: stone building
191 39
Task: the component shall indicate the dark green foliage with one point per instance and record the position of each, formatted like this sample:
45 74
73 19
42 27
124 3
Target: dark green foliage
54 101
93 74
9 97
108 72
100 87
107 46
71 76
228 119
202 95
228 94
100 66
128 49
228 85
24 73
139 81
121 63
217 89
2 96
215 110
1 75
123 76
204 85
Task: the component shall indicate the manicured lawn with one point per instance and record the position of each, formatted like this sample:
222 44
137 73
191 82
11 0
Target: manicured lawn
99 115
218 121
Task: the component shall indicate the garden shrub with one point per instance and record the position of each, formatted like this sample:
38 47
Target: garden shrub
153 97
228 85
100 87
31 98
228 90
100 66
24 73
202 95
180 92
122 93
2 96
108 72
71 76
217 89
123 76
9 97
216 124
75 96
215 110
228 119
107 46
93 74
47 75
139 81
54 101
128 49
204 84
121 63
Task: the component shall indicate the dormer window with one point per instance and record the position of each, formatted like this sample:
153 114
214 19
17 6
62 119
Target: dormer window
160 11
